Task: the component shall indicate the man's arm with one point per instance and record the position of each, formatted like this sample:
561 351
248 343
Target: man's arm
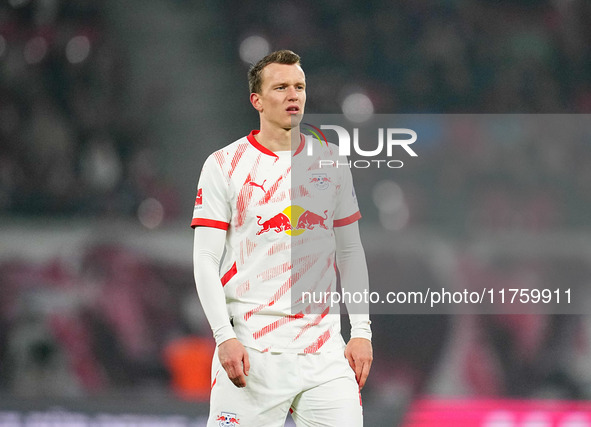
354 278
208 248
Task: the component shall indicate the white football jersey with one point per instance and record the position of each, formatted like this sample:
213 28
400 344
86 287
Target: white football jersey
279 210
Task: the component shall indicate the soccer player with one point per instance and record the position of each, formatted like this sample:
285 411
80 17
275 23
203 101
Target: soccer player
269 225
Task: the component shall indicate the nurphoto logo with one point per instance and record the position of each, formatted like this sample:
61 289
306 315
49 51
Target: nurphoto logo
389 142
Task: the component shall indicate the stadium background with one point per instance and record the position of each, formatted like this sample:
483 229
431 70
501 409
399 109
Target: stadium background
107 111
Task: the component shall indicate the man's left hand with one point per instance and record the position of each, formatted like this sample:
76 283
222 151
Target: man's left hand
359 353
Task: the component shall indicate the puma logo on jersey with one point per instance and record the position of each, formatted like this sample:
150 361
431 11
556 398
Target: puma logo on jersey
254 184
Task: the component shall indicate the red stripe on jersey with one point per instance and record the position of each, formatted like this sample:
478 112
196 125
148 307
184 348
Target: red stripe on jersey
245 194
258 145
276 324
292 243
243 200
236 159
229 274
272 190
278 247
301 192
247 246
282 290
215 378
250 246
330 149
300 300
314 322
313 348
209 223
242 288
255 310
220 158
306 262
274 271
301 146
327 266
281 196
346 221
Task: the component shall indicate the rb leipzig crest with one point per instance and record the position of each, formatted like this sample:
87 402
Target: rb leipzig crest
320 180
227 419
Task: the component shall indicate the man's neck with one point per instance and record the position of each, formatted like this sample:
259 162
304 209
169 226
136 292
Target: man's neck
278 139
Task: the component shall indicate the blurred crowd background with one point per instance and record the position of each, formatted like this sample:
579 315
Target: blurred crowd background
108 110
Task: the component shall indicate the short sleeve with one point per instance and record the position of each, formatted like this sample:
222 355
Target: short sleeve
212 204
347 210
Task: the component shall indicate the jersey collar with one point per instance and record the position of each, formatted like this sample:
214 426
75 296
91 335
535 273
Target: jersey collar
265 150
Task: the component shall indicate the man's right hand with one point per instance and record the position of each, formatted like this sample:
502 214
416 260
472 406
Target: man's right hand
234 360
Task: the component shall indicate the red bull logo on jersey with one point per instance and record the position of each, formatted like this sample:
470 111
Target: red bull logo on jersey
227 419
309 220
294 220
278 223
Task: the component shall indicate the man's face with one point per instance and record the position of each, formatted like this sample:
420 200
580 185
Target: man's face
283 95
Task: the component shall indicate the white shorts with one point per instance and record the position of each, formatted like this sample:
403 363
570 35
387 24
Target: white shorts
319 389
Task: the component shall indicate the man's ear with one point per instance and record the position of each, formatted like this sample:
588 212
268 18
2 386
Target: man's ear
255 100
